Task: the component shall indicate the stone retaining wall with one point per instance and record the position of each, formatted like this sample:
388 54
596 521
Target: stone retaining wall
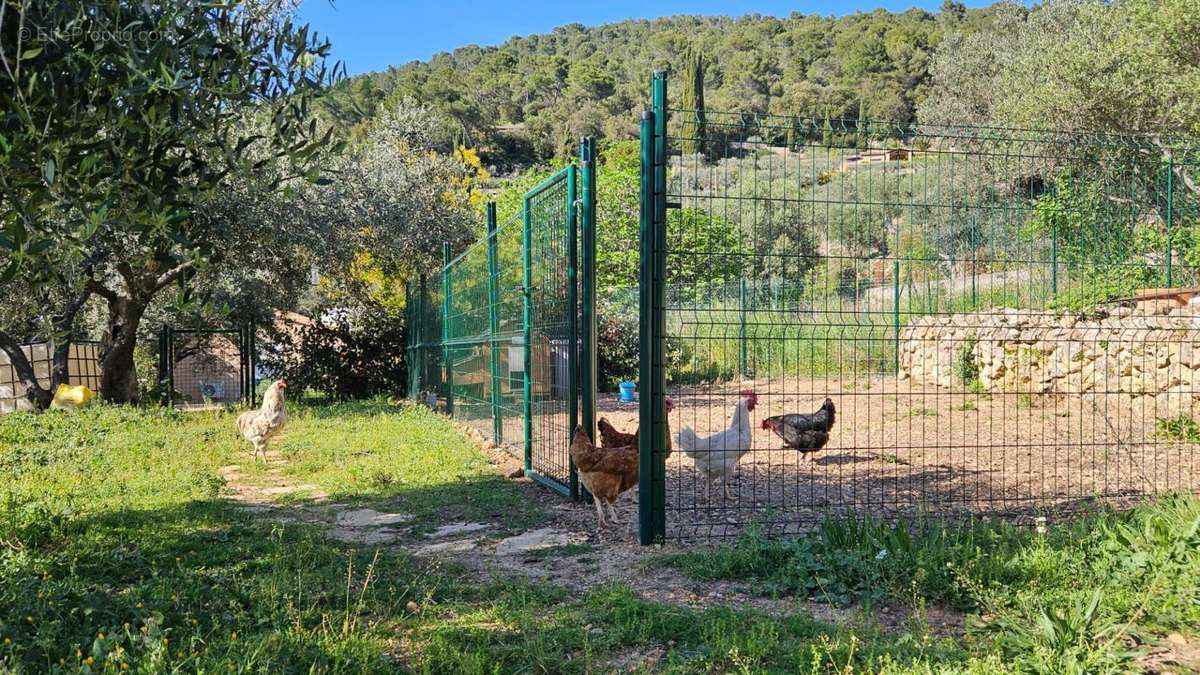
1154 358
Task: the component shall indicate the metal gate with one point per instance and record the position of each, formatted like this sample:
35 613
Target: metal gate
1005 320
505 340
207 367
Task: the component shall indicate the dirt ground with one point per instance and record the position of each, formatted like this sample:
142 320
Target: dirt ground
899 448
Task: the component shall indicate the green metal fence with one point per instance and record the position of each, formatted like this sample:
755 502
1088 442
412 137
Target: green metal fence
984 307
507 344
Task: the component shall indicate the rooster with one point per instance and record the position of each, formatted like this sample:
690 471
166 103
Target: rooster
610 437
717 456
258 426
806 433
605 472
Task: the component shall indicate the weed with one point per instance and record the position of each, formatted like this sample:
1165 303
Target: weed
1182 429
966 363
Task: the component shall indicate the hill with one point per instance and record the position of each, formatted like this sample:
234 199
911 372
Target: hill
532 97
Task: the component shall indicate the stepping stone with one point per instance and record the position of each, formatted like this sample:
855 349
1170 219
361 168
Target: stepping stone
534 540
370 518
457 528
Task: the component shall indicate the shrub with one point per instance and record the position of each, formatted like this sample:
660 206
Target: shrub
344 354
965 365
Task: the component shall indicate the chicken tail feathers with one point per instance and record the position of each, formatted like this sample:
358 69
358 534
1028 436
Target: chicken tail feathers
688 441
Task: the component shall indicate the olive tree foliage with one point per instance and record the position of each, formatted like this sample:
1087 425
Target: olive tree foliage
1079 65
394 198
121 120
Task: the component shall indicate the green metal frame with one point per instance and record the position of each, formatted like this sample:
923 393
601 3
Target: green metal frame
494 325
557 227
652 375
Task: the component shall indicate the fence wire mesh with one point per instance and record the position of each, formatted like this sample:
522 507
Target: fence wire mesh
486 336
495 337
1003 320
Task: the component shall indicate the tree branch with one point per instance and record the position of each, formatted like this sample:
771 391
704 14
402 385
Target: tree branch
171 275
102 290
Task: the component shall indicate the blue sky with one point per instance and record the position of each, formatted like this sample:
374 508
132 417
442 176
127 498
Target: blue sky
373 34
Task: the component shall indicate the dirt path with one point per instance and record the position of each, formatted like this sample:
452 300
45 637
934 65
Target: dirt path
568 551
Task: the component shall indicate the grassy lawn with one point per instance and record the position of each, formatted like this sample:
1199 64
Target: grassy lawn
120 549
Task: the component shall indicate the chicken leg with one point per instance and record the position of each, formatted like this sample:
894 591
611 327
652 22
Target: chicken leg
600 521
612 514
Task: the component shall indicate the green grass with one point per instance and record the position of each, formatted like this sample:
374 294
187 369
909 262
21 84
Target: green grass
1071 600
117 545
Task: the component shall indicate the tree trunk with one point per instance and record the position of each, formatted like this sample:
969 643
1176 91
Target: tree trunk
118 378
39 397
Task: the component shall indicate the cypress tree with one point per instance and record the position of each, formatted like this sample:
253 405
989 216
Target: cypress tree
695 126
827 132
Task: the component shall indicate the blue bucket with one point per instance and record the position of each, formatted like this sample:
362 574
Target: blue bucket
627 391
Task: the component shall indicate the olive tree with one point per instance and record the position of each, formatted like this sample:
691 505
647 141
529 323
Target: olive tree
121 119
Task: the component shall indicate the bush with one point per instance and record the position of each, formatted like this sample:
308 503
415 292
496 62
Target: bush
345 354
618 344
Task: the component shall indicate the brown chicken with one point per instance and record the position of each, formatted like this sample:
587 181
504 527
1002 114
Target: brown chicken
611 437
605 472
612 470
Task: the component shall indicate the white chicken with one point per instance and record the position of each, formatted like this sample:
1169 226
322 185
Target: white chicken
258 426
717 456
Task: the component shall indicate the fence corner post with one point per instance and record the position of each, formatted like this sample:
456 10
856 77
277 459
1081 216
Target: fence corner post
447 305
652 460
588 374
572 320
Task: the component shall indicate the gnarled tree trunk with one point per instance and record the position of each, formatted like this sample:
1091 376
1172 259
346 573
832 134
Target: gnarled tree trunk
39 397
118 373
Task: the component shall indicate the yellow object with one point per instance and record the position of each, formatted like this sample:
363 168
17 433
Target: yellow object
72 396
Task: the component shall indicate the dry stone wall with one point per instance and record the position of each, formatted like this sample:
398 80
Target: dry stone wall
1151 360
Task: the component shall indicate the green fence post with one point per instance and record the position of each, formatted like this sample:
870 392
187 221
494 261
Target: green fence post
896 316
527 314
588 374
572 320
587 284
494 323
742 327
1170 217
447 307
1054 259
658 383
652 376
423 325
646 527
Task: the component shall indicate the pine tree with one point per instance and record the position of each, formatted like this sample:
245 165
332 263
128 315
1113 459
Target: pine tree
695 126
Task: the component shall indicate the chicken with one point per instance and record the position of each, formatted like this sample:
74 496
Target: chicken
258 426
806 433
610 437
605 472
717 456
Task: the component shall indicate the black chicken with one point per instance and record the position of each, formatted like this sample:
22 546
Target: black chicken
806 433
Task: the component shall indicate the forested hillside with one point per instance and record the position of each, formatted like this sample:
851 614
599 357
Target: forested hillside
532 97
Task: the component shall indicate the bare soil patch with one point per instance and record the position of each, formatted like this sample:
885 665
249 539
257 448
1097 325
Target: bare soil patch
900 448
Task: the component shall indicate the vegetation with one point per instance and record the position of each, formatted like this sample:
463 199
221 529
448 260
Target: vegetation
1068 600
121 549
115 134
532 98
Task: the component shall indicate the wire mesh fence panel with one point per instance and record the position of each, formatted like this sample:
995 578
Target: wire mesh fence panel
551 247
1003 321
207 367
485 330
